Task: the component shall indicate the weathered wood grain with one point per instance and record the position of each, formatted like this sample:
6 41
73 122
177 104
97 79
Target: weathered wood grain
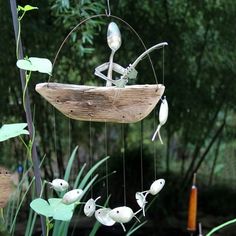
110 104
6 186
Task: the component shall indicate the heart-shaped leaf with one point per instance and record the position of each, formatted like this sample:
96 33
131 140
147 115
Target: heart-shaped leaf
41 65
12 130
61 211
41 207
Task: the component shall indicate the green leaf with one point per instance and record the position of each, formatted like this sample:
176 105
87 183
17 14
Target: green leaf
25 64
41 65
29 8
12 130
41 207
61 211
70 164
20 8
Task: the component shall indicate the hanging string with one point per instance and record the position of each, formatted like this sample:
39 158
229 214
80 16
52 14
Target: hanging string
154 146
123 159
54 131
141 155
163 64
90 153
69 136
106 152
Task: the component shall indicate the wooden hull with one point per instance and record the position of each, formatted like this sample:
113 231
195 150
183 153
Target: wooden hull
103 104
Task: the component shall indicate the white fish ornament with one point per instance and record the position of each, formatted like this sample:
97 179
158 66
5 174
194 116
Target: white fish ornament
156 186
72 196
141 200
122 215
59 185
102 216
163 115
90 207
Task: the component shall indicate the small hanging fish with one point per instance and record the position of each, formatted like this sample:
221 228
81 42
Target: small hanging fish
90 207
59 185
102 216
141 200
72 196
156 186
122 215
163 115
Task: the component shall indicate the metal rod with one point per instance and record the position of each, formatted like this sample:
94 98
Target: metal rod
27 109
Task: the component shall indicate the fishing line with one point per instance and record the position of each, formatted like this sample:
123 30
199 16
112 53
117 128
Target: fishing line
69 136
141 154
154 146
90 154
106 152
163 64
123 159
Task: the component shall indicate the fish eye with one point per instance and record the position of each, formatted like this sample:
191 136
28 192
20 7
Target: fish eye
117 212
61 184
160 182
78 192
88 206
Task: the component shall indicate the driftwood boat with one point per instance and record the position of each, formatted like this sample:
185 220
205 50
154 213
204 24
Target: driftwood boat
102 104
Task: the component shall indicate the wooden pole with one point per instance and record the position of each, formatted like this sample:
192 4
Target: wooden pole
28 112
192 209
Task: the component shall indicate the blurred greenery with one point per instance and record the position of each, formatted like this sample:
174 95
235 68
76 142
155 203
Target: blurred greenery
199 69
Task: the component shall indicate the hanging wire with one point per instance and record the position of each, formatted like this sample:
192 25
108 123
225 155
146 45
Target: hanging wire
163 64
104 15
90 153
154 146
123 159
108 10
106 151
141 154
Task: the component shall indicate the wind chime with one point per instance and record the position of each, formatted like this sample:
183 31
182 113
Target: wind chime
116 102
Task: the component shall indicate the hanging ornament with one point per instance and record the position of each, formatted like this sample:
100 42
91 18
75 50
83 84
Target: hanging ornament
59 185
163 115
90 207
102 216
72 196
141 200
156 186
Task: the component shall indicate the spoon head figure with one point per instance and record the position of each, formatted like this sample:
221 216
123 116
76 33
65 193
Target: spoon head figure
59 185
113 36
157 186
72 196
90 207
121 214
102 215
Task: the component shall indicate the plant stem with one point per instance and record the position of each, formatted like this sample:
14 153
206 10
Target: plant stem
27 108
221 226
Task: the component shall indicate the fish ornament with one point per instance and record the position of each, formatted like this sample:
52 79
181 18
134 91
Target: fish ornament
163 115
90 207
72 196
156 186
102 216
59 185
6 186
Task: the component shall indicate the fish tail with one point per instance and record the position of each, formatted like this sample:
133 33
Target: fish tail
157 131
159 135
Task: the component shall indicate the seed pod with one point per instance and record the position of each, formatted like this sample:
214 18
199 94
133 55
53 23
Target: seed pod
163 115
59 185
72 196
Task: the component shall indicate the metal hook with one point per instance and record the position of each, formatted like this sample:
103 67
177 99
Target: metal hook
108 10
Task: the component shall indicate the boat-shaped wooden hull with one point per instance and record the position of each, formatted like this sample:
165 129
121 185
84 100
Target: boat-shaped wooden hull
102 104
